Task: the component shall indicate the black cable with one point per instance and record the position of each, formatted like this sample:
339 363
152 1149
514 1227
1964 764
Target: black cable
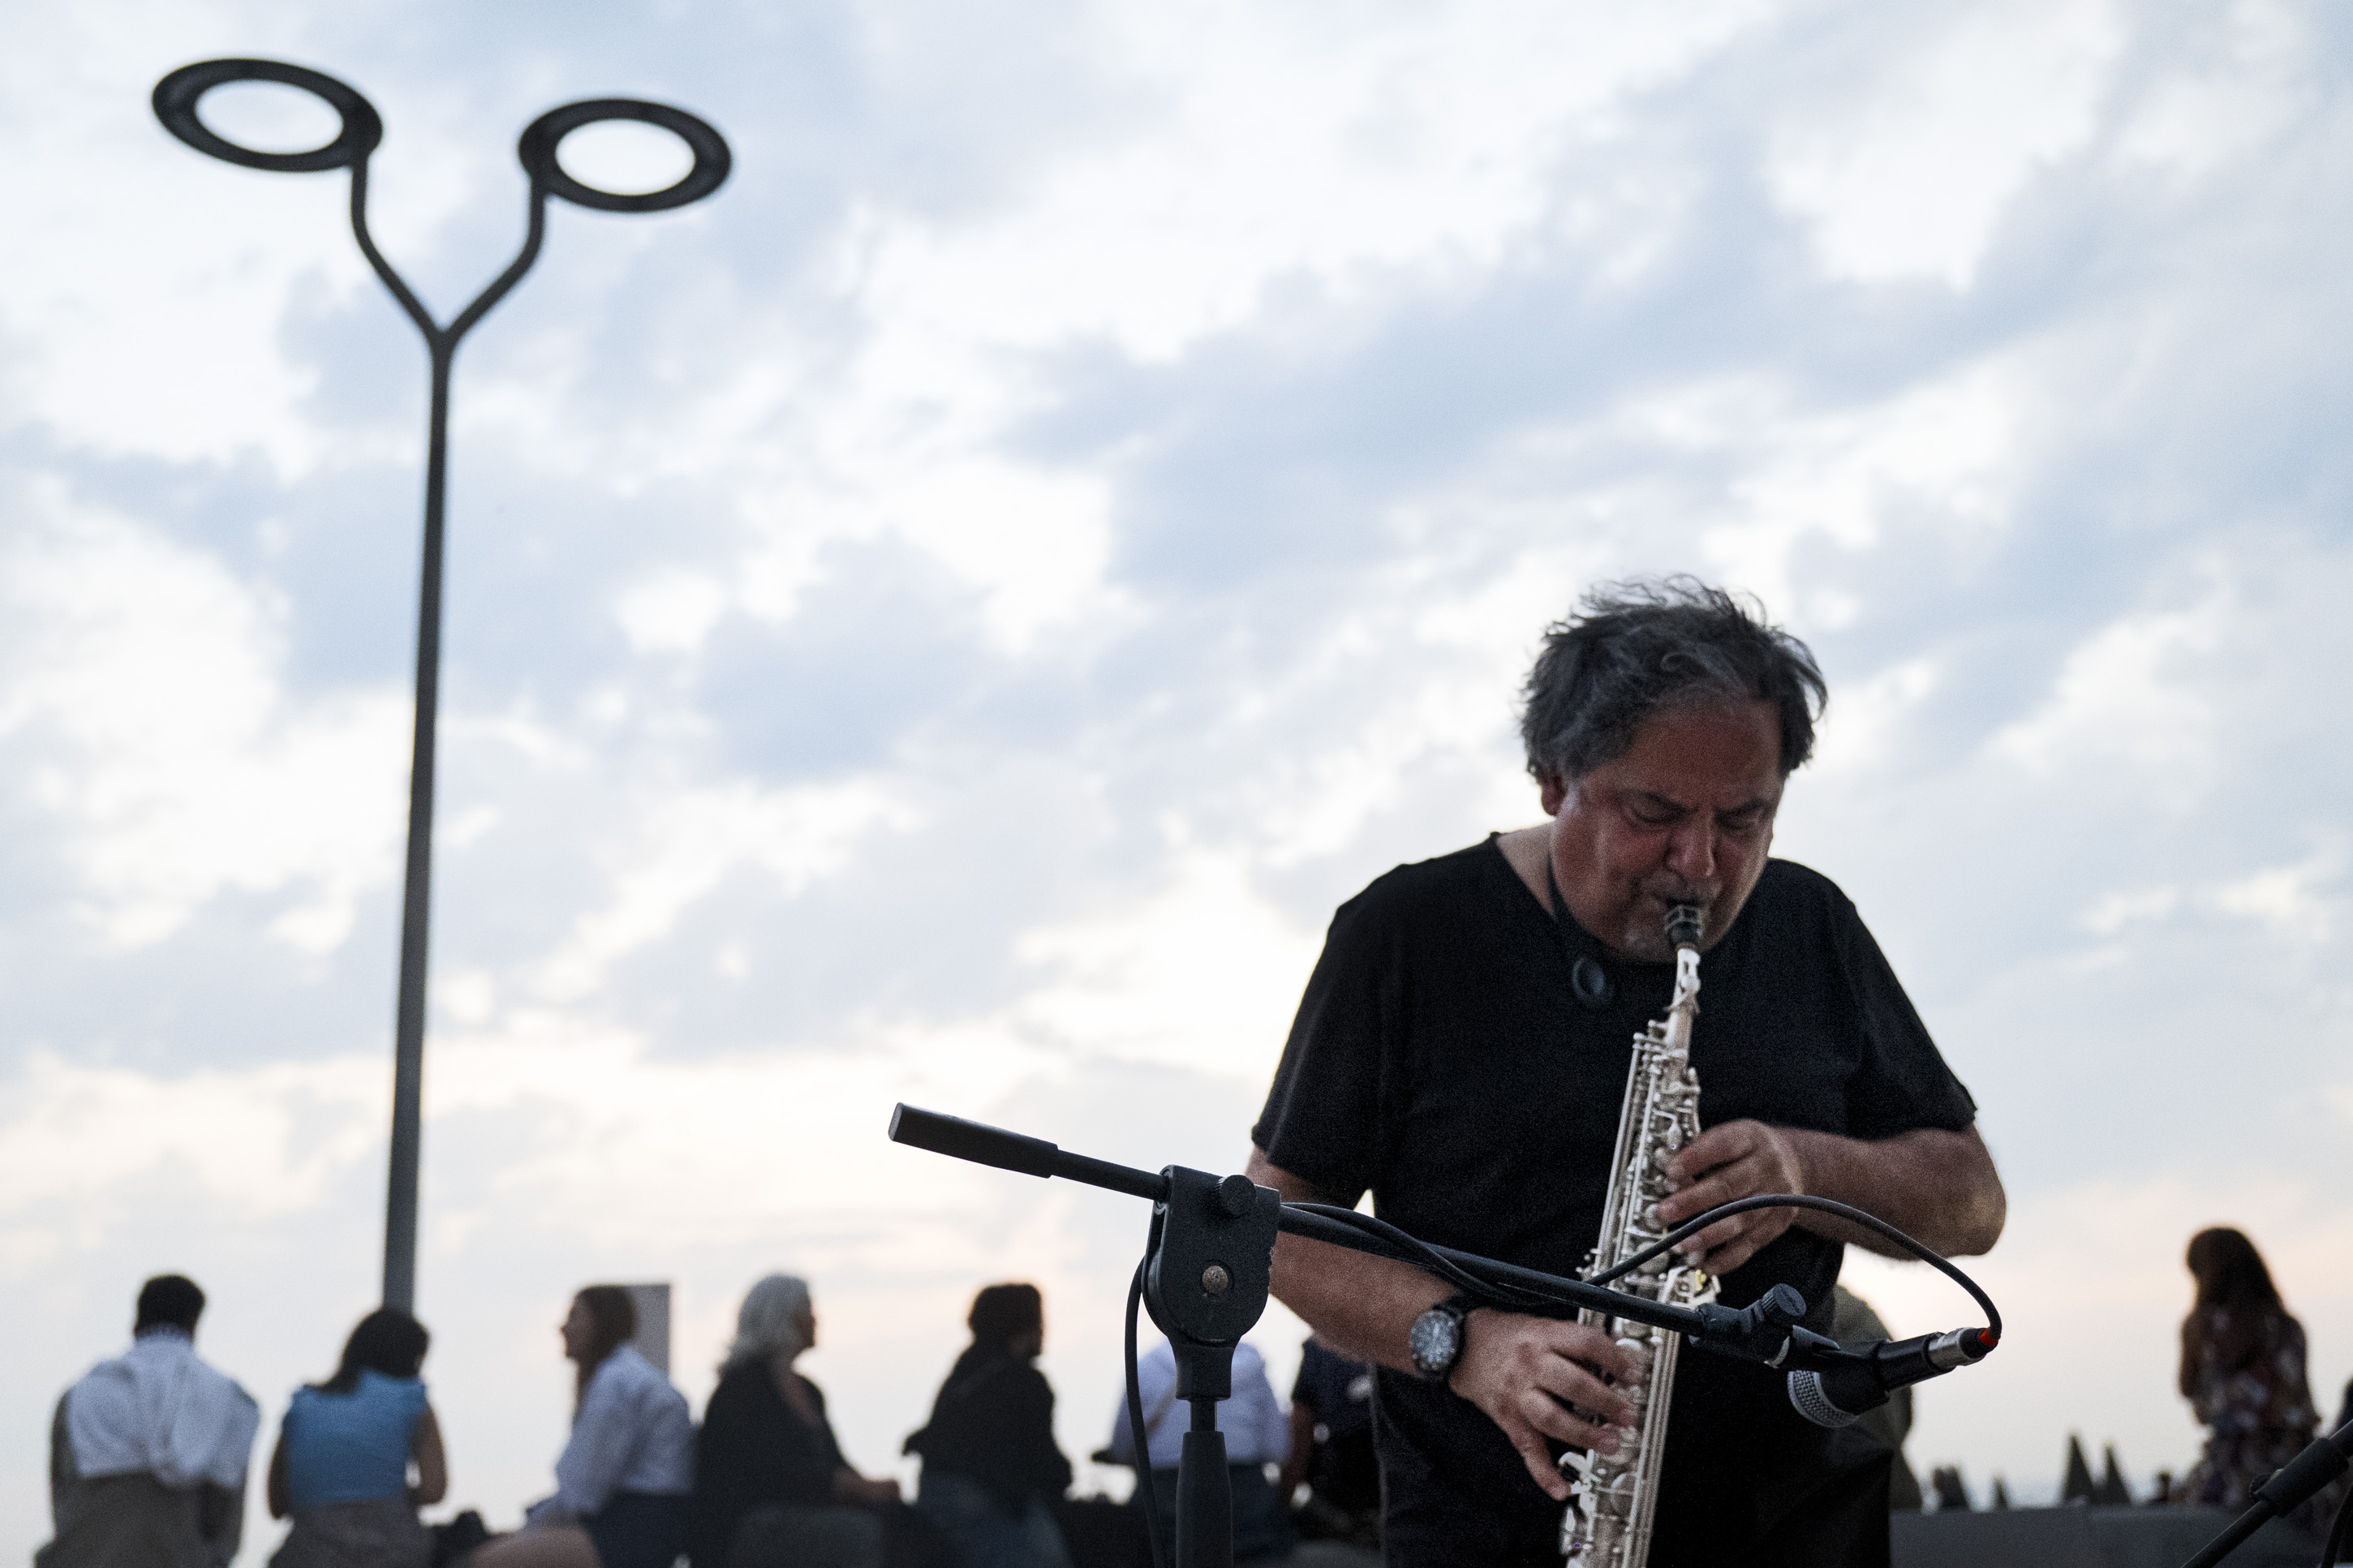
1136 1428
1432 1261
1502 1293
2332 1552
1844 1211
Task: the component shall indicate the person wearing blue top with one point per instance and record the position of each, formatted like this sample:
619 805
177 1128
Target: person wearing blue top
623 1480
341 1466
1258 1434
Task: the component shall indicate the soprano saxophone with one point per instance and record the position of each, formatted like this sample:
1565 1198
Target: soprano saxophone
1613 1496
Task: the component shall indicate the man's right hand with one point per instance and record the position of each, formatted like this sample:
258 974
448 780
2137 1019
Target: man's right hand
1525 1373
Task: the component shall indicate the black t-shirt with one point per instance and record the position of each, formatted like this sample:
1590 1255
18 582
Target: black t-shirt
1442 1060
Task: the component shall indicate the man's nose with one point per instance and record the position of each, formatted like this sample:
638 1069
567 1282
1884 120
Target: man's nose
1691 853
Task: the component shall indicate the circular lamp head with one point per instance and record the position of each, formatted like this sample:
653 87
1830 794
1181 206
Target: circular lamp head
542 136
176 96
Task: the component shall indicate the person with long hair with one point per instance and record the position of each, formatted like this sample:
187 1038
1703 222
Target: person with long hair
2242 1371
991 1469
341 1466
771 1485
623 1480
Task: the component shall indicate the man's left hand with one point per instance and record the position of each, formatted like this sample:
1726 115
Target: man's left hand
1738 1160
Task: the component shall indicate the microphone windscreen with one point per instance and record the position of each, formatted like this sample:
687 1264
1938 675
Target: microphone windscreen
1813 1403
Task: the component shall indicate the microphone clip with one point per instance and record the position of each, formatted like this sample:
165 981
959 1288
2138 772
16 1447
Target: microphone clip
1760 1332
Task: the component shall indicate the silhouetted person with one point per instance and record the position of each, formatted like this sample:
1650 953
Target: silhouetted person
148 1452
342 1464
622 1481
1852 1322
2242 1371
991 1469
771 1489
1332 1449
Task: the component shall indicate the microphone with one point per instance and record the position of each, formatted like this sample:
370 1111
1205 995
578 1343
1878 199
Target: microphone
1861 1380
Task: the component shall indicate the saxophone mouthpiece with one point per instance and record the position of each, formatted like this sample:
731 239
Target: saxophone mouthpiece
1683 925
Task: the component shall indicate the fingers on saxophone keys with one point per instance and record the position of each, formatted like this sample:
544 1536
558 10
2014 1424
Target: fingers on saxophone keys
1723 1232
1580 1399
1540 1466
1584 1428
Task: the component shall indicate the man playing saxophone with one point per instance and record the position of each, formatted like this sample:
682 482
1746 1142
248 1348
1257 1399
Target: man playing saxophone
1461 1052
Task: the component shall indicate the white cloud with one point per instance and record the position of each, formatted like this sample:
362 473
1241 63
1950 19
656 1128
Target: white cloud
142 683
1944 449
2227 103
691 841
2116 911
1203 976
1863 730
672 613
1941 456
1908 177
2287 900
264 1141
1285 146
2132 695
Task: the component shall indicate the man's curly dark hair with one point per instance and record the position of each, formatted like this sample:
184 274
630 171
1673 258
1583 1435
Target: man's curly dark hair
1637 648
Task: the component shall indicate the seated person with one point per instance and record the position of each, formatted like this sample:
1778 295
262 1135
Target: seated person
622 1482
1853 1322
1332 1449
148 1452
341 1467
1257 1432
771 1485
2242 1371
991 1471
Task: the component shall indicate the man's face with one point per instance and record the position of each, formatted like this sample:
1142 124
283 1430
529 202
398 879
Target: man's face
1684 817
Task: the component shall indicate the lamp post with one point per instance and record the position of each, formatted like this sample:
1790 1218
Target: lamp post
176 100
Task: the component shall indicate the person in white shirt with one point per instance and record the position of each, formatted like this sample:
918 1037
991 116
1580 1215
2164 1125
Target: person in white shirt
148 1452
1257 1430
623 1480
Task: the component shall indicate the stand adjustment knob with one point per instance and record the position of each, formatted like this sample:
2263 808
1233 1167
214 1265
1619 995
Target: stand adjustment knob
1236 1194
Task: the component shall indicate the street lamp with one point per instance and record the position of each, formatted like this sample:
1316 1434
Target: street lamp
176 100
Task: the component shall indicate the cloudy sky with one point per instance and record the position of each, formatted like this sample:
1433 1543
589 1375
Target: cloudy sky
948 617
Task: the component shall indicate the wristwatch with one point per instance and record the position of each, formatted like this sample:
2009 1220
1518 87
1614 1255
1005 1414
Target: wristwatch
1436 1338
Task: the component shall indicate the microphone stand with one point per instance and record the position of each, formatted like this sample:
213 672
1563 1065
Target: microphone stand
2290 1487
1210 1258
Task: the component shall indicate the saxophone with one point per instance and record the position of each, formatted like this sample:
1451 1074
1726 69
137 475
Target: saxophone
1612 1496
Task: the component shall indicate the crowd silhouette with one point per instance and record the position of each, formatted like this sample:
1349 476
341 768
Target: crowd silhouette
149 1450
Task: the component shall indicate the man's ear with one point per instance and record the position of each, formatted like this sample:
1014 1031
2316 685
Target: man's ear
1551 791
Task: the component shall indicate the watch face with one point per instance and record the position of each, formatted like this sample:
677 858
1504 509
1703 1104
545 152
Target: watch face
1436 1339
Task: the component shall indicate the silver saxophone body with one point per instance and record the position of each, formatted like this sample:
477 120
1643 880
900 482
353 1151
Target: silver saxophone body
1613 1496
